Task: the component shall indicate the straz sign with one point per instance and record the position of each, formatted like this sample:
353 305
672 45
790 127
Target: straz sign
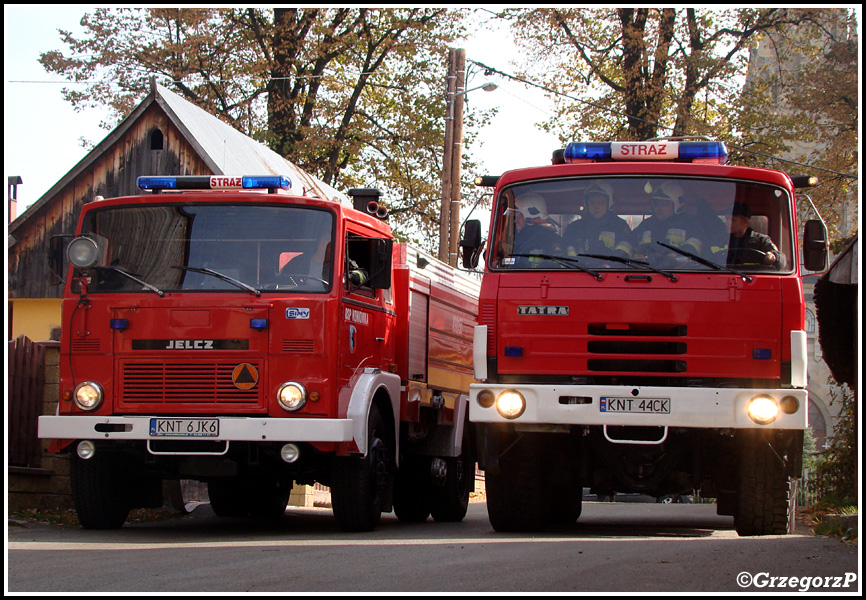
549 311
644 150
226 183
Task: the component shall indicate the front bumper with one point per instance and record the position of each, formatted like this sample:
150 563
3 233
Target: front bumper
715 408
234 429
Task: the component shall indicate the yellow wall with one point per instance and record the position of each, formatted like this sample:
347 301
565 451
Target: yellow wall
34 317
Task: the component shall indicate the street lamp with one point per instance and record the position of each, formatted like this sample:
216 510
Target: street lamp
449 216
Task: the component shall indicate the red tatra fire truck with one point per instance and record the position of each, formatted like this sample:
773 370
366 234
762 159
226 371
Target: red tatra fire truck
251 338
627 341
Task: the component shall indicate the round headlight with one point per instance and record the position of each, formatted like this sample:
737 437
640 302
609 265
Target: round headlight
510 404
292 396
82 252
88 395
763 409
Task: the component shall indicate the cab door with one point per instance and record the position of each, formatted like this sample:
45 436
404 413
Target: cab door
366 313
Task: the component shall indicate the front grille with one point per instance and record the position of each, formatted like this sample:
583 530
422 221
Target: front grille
205 382
636 348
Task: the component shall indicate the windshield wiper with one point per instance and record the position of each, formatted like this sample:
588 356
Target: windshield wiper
116 269
632 262
705 262
218 275
565 261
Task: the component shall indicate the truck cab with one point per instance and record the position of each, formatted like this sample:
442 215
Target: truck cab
228 330
632 340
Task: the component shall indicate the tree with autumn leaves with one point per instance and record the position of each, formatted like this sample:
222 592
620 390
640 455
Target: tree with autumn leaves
352 95
356 95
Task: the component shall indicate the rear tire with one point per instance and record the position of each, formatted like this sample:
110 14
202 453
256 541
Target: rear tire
413 490
451 499
239 496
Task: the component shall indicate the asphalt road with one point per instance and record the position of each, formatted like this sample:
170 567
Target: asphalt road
614 547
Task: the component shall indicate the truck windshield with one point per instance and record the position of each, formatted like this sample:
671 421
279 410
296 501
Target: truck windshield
209 247
643 224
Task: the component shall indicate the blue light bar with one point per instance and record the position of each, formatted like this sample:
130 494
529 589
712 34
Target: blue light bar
649 150
157 183
576 151
214 182
260 182
715 152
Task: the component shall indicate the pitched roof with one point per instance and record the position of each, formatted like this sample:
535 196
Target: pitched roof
223 148
227 151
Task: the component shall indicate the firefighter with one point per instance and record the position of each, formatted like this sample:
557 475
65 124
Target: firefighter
747 246
666 225
532 231
599 230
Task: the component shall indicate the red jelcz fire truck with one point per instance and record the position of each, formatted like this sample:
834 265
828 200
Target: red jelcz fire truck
251 340
628 342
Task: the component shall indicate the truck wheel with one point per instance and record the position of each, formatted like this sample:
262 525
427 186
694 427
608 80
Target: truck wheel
99 490
451 499
566 503
516 497
360 486
412 490
765 497
267 498
227 497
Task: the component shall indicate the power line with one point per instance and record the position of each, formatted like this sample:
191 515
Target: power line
627 116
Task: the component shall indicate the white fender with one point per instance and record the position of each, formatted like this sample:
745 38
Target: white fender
366 386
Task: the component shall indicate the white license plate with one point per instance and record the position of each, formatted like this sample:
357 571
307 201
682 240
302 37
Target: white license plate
653 406
184 427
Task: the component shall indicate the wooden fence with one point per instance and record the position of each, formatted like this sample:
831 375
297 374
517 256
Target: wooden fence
25 398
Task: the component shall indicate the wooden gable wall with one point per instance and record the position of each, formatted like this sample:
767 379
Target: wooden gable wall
127 154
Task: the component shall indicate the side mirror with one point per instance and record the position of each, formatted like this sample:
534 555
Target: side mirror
471 243
816 254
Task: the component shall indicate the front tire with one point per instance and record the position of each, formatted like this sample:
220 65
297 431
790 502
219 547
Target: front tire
766 497
100 490
516 498
361 485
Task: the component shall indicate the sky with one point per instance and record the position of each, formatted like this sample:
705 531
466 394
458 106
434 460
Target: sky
42 131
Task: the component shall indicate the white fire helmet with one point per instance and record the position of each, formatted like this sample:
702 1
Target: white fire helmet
532 206
602 188
670 191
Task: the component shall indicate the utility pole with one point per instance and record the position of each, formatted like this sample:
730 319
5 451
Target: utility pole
457 155
452 156
445 208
